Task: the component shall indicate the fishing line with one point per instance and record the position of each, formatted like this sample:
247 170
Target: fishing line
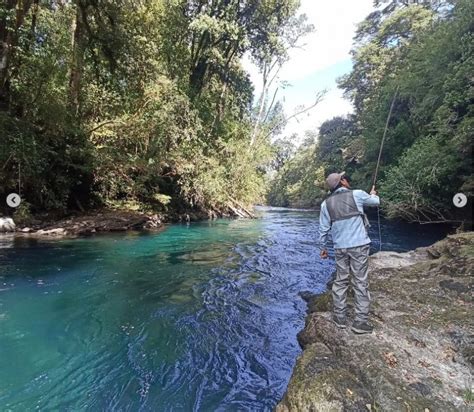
380 230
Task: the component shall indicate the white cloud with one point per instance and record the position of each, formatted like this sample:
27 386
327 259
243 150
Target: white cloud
335 23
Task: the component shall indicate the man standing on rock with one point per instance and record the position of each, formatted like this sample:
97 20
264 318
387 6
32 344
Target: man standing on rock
342 214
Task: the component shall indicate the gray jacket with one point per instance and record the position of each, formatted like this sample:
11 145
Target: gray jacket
348 232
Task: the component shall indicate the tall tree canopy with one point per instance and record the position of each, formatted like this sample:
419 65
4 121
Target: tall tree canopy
137 103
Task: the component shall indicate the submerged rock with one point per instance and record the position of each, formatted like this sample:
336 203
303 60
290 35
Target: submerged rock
420 356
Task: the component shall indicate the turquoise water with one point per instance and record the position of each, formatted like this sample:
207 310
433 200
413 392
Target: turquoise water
196 317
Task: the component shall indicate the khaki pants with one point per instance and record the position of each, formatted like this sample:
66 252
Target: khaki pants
352 261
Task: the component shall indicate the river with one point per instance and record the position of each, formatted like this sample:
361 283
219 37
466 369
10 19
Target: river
197 317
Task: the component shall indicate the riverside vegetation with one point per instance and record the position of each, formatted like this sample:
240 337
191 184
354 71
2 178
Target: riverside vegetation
140 105
146 106
423 55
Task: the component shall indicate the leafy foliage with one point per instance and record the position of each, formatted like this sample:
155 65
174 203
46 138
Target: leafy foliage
121 102
421 55
427 156
299 181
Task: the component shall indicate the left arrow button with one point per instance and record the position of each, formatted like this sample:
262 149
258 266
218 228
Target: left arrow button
13 200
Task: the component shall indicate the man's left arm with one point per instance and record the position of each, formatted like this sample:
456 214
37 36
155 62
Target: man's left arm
368 199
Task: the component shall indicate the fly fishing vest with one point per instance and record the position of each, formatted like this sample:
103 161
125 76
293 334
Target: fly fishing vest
341 206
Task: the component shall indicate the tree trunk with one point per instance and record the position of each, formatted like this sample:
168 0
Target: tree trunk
220 107
77 61
8 40
263 98
34 17
197 77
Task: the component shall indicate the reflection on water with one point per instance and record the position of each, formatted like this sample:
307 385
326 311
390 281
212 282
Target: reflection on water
198 317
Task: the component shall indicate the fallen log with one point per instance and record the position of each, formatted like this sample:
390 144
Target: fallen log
243 209
235 211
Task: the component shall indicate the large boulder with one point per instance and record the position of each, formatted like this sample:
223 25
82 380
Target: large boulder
420 356
7 224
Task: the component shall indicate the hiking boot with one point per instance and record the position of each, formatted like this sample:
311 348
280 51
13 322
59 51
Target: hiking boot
340 321
362 327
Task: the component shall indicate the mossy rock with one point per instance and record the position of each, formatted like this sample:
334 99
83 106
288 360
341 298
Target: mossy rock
320 303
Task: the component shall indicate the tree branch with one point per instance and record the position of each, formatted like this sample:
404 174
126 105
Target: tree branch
319 97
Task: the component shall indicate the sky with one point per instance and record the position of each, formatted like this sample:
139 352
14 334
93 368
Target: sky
323 58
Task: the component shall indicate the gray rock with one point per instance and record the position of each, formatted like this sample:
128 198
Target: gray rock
7 224
391 260
52 232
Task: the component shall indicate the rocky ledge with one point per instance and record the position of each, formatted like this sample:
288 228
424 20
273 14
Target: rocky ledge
421 354
107 220
84 224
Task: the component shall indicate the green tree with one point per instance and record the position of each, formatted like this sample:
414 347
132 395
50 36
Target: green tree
136 104
428 61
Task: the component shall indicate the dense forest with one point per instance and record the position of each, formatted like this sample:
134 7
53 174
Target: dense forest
418 55
138 104
145 105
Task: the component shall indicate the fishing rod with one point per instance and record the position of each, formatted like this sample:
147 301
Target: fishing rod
383 137
387 122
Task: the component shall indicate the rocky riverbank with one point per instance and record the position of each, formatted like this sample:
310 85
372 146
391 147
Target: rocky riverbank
106 220
421 354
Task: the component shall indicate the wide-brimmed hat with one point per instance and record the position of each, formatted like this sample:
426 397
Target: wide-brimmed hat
334 179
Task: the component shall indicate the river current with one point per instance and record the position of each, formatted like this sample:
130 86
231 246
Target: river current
197 317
